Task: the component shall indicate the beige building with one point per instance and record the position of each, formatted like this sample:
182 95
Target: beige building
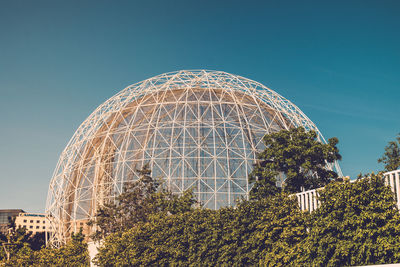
33 222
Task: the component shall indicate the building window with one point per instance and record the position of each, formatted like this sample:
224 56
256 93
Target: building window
37 227
31 227
25 221
44 227
31 221
44 222
37 221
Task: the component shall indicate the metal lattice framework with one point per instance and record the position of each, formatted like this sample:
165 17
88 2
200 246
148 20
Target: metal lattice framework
197 129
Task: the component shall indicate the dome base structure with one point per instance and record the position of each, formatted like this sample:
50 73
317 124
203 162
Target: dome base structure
197 130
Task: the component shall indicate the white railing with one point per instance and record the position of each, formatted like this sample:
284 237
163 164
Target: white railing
308 199
392 178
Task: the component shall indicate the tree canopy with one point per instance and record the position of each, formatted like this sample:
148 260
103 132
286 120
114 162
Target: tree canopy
74 253
299 156
356 224
18 242
391 157
138 201
22 253
230 236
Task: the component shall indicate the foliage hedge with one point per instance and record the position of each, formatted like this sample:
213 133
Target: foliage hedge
357 224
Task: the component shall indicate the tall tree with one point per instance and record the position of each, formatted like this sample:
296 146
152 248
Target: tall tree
391 157
299 156
136 203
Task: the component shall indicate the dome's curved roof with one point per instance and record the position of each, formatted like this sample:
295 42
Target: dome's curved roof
197 129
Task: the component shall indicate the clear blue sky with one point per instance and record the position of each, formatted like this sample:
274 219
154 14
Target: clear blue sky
338 61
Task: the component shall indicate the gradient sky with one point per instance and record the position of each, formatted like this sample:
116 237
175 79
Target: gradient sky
338 61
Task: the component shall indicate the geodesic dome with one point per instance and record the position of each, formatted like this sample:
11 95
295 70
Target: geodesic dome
196 129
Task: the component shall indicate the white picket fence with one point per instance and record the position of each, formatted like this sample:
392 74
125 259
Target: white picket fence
393 179
308 199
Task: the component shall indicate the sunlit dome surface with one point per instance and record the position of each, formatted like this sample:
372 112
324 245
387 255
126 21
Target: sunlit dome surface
196 129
